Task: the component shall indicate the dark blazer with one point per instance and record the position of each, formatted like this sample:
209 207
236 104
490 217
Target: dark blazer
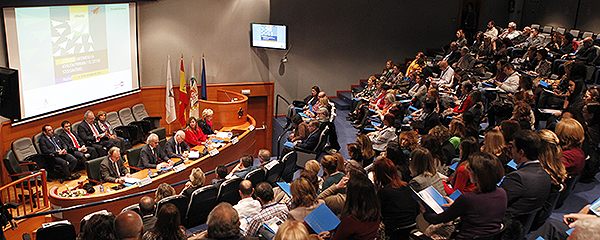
206 129
170 148
431 121
86 133
311 141
527 188
47 147
454 57
70 144
149 160
108 173
333 138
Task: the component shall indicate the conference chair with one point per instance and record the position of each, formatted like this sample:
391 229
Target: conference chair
74 127
304 155
16 172
161 132
535 26
256 176
133 207
228 191
140 114
575 33
569 186
92 167
548 207
56 231
36 141
288 163
519 224
547 29
180 201
25 151
58 131
130 132
274 173
587 34
133 157
128 119
203 200
561 30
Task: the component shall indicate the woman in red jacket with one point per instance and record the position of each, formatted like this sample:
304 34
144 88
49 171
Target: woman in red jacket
193 134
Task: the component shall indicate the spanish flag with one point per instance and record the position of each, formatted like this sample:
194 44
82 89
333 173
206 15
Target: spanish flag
183 98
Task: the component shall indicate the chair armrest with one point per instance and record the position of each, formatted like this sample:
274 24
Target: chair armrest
30 163
303 150
94 181
21 174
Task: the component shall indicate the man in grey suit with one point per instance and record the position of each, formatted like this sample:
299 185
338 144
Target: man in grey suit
152 156
112 168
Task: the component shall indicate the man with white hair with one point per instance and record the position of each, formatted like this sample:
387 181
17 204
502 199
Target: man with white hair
176 147
152 156
510 32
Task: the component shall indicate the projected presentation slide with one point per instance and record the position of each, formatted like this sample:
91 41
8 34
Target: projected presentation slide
68 55
269 36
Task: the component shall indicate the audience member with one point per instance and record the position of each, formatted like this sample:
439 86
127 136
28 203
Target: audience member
491 30
292 229
176 146
457 130
332 173
422 168
51 144
196 181
446 77
247 206
270 209
221 172
429 117
361 214
477 219
529 186
147 209
99 226
511 32
129 226
571 135
244 167
164 190
409 140
383 136
366 149
398 209
167 226
312 139
152 156
494 144
300 129
462 180
223 224
304 199
112 168
443 135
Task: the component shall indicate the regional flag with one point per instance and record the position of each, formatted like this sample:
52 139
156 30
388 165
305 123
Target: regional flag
183 98
194 104
203 81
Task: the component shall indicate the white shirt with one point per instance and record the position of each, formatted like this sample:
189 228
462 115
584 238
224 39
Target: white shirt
492 33
247 207
446 77
511 84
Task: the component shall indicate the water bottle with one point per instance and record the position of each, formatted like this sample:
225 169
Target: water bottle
101 188
149 173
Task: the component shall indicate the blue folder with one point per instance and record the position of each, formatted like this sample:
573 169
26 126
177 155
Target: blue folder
289 144
512 164
322 219
413 108
285 187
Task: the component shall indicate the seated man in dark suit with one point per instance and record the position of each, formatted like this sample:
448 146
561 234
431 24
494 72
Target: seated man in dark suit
51 144
112 168
429 117
76 146
176 147
313 138
92 135
527 188
221 171
147 208
152 156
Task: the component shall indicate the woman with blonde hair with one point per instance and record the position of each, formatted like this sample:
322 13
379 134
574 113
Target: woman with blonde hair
206 122
550 156
571 135
494 143
422 167
292 229
164 190
196 181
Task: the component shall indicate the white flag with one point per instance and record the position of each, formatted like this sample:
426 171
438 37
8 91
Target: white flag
194 104
170 97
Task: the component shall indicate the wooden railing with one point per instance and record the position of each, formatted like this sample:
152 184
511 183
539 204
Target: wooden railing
30 192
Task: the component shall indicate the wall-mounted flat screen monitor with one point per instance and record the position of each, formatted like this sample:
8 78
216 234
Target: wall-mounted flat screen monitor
71 56
268 36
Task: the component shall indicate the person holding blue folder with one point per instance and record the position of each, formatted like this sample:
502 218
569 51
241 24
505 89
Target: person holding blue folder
477 219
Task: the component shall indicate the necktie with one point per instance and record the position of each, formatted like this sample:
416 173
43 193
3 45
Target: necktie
117 168
74 140
176 148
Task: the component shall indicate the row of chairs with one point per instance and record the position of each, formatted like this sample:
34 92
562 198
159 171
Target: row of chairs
547 30
27 149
